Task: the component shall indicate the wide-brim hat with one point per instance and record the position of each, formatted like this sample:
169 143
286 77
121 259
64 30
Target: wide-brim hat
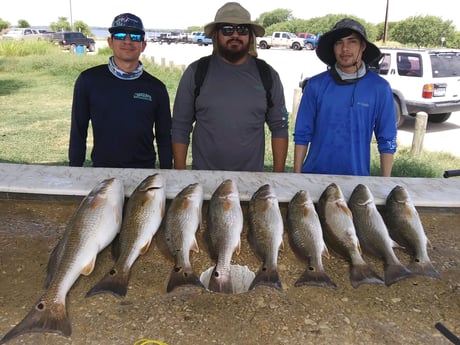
127 22
325 47
233 13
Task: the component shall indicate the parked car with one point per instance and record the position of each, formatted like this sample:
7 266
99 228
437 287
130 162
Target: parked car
425 80
21 34
201 40
71 39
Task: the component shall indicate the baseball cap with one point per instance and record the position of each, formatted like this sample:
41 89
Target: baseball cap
127 22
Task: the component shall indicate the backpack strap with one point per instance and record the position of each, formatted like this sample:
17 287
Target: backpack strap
267 80
200 73
262 66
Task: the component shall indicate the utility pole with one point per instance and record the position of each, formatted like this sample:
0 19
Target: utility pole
71 20
385 28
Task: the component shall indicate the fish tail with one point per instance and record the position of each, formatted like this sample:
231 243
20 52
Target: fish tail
396 272
363 274
181 277
268 277
115 282
43 318
314 278
424 268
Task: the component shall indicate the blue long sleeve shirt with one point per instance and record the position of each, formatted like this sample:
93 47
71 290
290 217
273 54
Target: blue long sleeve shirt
127 118
339 121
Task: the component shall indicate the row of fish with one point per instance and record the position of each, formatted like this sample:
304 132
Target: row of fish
345 228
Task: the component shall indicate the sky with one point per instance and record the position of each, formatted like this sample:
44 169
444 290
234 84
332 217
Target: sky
181 14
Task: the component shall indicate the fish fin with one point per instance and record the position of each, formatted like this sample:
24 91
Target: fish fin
238 248
396 272
88 268
363 274
53 263
314 277
181 277
267 277
145 248
281 247
42 318
195 246
325 253
428 244
116 247
97 200
115 282
343 207
162 209
423 269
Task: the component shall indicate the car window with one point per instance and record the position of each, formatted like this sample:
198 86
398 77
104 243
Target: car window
409 64
445 64
384 64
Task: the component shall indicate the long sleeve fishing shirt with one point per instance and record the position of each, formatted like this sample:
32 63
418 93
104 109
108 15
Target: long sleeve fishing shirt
338 121
127 118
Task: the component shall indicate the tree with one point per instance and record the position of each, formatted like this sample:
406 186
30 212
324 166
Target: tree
61 25
82 27
22 23
4 24
423 31
277 16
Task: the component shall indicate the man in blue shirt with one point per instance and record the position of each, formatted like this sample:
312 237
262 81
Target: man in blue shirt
129 109
342 108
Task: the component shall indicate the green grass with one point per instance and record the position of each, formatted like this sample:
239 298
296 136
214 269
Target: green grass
36 86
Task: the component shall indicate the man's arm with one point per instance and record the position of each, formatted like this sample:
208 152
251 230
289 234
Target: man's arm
300 151
180 155
279 149
386 164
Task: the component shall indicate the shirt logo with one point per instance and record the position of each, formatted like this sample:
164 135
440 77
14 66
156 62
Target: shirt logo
144 96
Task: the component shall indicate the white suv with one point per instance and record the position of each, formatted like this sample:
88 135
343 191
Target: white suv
422 80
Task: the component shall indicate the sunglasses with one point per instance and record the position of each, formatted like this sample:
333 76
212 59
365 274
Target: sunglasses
228 30
121 36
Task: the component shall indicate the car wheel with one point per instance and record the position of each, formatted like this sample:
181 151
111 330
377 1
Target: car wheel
92 47
72 48
438 118
296 46
399 116
309 46
263 45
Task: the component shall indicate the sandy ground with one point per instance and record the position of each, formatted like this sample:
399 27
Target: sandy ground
404 313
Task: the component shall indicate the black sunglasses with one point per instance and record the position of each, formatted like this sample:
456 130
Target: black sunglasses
227 30
121 36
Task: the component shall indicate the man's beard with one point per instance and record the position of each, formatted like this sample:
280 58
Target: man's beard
231 53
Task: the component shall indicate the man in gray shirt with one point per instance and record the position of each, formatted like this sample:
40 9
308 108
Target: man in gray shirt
229 114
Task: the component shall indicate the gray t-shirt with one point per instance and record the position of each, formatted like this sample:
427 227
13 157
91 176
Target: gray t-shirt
231 111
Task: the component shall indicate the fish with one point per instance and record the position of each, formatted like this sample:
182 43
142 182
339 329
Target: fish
182 221
373 234
142 217
265 235
92 227
306 239
406 228
224 225
340 235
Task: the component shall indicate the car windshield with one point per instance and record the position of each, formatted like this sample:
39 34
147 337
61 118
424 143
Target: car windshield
445 64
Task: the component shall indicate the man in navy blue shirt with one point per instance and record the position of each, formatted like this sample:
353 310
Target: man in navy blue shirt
129 109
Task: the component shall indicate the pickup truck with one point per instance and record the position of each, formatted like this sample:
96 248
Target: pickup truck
281 39
311 42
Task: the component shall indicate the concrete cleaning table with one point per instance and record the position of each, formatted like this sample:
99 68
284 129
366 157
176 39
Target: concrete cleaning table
76 181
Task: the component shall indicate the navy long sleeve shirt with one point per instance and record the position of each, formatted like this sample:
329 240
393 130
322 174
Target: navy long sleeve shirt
127 118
